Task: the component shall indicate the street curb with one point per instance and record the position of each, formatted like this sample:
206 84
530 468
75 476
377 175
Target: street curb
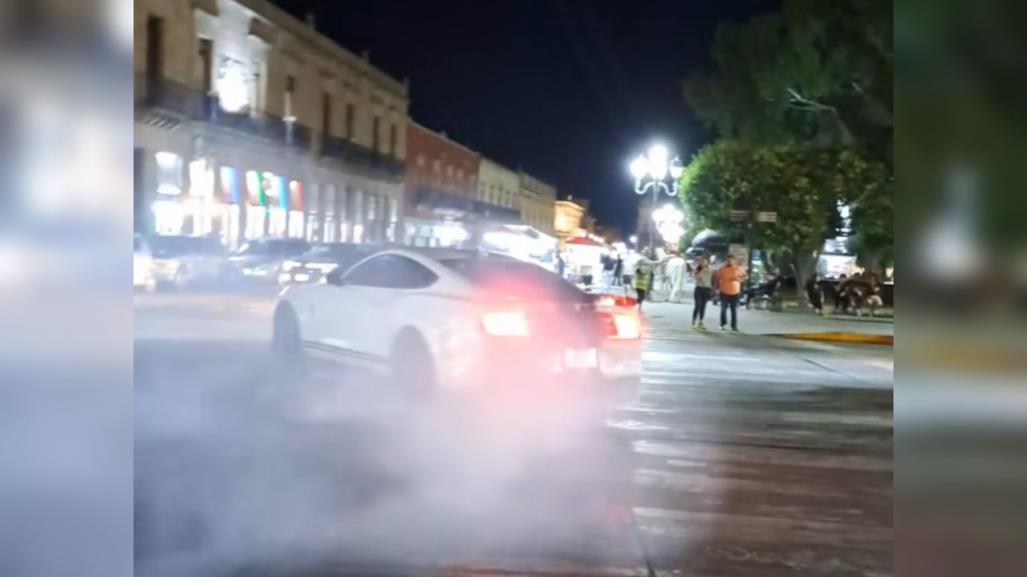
842 337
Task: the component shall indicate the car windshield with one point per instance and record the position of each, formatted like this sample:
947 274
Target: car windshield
514 279
171 246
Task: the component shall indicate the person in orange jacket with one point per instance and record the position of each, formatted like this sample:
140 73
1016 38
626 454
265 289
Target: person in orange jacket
728 281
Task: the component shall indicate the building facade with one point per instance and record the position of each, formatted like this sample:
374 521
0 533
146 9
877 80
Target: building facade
440 189
498 186
567 220
250 123
537 203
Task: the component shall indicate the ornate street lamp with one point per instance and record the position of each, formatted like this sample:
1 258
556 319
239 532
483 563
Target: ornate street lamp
668 221
650 172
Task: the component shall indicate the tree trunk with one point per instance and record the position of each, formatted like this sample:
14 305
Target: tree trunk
804 266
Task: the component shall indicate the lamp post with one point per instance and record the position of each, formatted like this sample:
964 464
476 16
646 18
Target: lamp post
650 172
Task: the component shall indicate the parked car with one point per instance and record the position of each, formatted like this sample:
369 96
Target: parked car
262 258
452 319
185 261
323 259
142 265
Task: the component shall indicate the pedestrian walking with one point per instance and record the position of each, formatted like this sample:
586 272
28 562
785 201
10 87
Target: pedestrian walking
643 280
618 270
729 284
703 292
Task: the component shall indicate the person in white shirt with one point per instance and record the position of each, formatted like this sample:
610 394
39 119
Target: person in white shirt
630 264
675 271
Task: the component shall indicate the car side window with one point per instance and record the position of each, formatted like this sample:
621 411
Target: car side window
335 276
390 271
369 273
410 274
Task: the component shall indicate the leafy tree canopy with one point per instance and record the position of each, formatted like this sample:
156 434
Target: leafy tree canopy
802 184
815 72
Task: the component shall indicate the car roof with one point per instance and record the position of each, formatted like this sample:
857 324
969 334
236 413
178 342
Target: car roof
440 254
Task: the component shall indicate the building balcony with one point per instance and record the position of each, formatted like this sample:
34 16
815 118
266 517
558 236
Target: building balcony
428 198
361 158
167 97
495 213
173 102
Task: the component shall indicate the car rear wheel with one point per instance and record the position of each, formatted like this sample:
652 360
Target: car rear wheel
413 368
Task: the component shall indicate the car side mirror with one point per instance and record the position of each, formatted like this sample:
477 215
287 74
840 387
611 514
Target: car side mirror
335 278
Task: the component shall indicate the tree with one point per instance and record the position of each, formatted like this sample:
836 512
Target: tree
815 72
802 184
872 220
811 83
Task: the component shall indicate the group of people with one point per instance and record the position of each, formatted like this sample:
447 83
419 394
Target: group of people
725 282
851 294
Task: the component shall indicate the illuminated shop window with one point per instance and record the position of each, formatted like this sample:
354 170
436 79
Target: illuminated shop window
169 173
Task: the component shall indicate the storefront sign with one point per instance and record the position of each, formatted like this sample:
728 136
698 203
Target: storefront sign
254 189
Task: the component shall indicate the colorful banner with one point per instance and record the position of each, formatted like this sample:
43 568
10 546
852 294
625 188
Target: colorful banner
229 185
296 195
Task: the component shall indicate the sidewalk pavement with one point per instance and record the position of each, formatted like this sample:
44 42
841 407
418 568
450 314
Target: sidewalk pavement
793 325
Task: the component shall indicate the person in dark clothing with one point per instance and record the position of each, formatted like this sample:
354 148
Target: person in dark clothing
815 294
839 294
618 270
703 292
643 280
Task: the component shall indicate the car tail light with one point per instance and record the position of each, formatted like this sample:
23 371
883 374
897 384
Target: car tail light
506 324
612 302
628 325
623 325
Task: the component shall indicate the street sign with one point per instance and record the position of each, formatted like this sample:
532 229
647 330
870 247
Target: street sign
739 214
764 216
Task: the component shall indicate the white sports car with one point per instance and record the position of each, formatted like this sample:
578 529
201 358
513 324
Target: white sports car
458 319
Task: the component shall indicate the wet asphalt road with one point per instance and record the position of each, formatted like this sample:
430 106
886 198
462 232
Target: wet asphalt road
743 456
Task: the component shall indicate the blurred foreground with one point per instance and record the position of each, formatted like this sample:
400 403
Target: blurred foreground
743 455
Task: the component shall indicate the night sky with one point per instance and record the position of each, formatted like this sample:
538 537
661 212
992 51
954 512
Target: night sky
569 90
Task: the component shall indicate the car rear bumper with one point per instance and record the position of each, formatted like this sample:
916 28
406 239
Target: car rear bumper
599 370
